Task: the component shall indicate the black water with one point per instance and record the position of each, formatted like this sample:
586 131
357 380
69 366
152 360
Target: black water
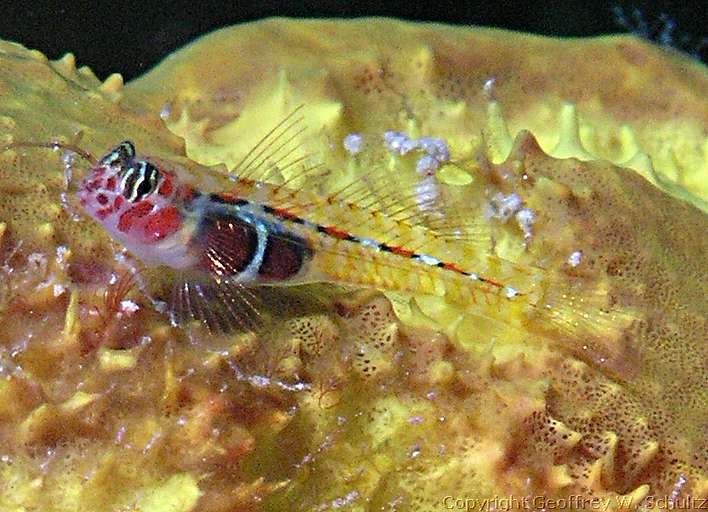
131 36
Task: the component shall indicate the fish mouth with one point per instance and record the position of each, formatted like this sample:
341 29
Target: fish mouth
88 187
82 194
86 197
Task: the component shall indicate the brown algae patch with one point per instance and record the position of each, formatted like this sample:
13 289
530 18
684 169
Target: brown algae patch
361 401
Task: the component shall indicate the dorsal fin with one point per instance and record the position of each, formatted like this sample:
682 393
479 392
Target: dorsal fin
423 201
278 151
278 158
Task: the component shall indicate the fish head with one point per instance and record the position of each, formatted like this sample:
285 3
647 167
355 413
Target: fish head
133 199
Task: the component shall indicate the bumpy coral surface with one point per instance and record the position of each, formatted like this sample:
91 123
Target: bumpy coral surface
586 159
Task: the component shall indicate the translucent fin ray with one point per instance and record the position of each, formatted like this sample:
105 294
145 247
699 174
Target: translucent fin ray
377 194
584 310
277 151
222 306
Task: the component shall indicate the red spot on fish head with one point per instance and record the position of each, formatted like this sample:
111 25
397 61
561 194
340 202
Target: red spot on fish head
104 212
131 215
162 223
167 187
147 223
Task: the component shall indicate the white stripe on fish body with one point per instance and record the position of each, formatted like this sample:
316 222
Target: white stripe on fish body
368 242
250 273
429 260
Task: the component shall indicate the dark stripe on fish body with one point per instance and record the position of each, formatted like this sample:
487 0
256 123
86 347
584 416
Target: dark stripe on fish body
225 244
226 199
284 256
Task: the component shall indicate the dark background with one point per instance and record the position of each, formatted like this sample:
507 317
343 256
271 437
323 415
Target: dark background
130 37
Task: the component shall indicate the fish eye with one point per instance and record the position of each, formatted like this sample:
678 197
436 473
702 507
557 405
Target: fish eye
139 181
125 151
